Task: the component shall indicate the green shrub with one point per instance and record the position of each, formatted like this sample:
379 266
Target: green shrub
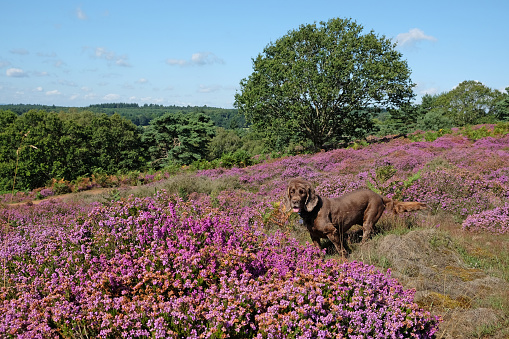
239 158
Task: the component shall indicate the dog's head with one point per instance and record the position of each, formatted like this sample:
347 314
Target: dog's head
300 196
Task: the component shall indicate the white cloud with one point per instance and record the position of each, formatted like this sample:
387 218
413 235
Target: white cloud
430 91
80 14
19 51
67 83
121 61
39 89
53 92
103 53
111 97
142 81
199 59
205 58
15 73
59 63
42 74
209 89
47 55
151 100
412 37
179 62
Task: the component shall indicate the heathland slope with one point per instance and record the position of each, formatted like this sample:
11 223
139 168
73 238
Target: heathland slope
163 256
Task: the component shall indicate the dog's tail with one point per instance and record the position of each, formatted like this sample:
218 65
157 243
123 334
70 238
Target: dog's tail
398 207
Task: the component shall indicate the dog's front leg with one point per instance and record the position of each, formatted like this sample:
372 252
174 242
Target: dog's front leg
316 241
334 236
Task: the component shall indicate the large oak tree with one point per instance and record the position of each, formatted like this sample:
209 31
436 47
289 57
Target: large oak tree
319 83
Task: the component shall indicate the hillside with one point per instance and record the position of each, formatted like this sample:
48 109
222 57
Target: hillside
108 250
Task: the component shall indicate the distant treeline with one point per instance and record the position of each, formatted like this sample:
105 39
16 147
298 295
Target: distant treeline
141 115
39 145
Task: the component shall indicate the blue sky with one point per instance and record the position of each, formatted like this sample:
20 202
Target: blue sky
69 53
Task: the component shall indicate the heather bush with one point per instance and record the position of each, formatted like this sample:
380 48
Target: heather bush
494 221
455 191
44 193
160 267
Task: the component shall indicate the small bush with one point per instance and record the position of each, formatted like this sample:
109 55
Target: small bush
239 158
60 186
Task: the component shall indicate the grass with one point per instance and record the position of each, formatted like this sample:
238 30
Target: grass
484 255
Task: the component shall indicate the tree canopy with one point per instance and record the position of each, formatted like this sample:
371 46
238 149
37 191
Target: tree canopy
470 102
47 145
178 138
320 83
502 106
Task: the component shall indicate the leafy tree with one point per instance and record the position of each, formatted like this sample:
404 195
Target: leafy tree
32 141
502 106
8 139
469 103
178 138
224 142
431 114
117 144
434 120
67 145
400 121
316 83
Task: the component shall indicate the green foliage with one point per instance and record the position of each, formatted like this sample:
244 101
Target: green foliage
225 141
469 103
315 82
402 120
381 181
501 128
65 146
205 164
434 120
472 102
116 143
432 135
502 106
382 175
178 138
476 133
239 158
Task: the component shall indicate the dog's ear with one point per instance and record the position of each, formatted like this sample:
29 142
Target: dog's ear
286 200
312 198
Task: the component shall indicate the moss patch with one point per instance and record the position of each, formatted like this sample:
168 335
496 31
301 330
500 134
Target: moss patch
465 274
441 301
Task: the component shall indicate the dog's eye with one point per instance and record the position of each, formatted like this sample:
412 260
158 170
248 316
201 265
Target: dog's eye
301 191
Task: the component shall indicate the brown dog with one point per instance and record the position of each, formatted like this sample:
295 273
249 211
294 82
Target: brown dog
332 217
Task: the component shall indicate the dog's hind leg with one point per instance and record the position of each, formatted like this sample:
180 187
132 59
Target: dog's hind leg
371 216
